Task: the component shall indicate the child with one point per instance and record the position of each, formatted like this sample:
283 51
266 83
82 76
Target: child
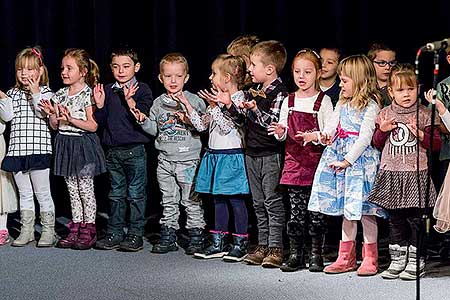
29 158
78 154
400 184
242 46
179 149
8 196
442 208
348 165
329 79
383 58
308 109
126 158
222 169
263 152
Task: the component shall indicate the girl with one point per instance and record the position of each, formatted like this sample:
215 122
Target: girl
397 187
222 169
308 109
78 156
348 165
442 209
30 150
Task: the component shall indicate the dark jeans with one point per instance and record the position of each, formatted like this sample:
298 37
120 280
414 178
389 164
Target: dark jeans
264 177
127 167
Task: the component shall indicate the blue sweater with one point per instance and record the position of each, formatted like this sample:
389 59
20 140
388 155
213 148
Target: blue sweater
117 125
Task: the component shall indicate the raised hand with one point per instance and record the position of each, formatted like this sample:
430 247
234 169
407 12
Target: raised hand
210 97
47 107
439 105
99 95
129 92
64 114
387 124
140 117
34 84
180 97
307 136
182 117
224 97
276 128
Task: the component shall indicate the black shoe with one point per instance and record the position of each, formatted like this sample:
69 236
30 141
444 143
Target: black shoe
132 243
110 242
167 241
196 241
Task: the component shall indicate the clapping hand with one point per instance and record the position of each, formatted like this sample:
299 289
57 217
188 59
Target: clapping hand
99 95
387 124
209 96
276 128
47 106
130 91
140 117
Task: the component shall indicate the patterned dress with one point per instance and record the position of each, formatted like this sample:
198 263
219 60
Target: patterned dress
345 193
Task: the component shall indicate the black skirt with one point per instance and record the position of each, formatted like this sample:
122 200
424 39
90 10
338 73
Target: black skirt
78 155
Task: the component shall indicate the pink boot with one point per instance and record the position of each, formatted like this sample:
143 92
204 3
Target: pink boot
369 265
87 237
346 260
71 238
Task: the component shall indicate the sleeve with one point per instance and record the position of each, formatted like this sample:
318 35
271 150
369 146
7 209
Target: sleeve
45 93
446 119
145 99
6 109
284 111
437 143
150 125
266 118
333 120
365 133
325 113
225 124
200 122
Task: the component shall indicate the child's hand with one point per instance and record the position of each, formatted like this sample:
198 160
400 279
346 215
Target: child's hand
99 95
276 128
339 166
387 124
180 97
3 95
210 97
249 105
34 84
64 114
307 136
140 117
47 107
439 105
182 116
129 92
224 97
419 134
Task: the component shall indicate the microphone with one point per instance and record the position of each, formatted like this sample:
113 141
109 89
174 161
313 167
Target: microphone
437 45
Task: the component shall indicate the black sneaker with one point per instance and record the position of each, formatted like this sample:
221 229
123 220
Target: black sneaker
132 243
110 242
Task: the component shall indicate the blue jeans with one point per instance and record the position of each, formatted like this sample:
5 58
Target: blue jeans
127 167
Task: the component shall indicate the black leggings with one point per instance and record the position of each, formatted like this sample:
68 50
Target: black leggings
222 214
403 226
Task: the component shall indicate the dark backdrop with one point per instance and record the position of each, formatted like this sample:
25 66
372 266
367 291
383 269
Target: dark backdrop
202 29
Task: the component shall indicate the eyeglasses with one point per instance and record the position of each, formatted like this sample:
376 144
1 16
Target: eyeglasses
383 63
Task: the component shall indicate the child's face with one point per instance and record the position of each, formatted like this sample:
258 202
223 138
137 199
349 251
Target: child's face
257 69
70 72
330 63
27 72
123 68
304 73
173 76
386 58
216 77
346 86
403 94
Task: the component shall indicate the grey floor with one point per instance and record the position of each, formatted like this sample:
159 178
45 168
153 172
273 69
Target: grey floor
34 273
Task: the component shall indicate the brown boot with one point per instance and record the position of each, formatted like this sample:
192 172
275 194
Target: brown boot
346 260
257 255
274 258
369 265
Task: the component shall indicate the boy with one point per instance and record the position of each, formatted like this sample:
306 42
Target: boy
263 153
329 79
179 149
126 159
383 58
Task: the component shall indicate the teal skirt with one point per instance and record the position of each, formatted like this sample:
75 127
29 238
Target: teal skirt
222 172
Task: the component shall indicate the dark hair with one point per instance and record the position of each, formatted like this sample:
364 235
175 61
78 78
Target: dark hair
125 51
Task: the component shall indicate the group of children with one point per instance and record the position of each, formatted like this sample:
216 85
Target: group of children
330 144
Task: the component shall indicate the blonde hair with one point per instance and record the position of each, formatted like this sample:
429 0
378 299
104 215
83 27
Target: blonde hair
361 70
402 75
31 56
272 53
85 63
172 58
233 65
242 45
312 56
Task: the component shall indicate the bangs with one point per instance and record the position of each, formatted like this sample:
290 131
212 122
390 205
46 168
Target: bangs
27 61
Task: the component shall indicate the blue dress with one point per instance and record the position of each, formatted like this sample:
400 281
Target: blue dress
345 193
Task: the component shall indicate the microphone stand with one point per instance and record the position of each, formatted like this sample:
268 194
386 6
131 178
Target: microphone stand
423 229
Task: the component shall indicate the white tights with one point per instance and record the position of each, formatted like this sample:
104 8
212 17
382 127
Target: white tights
370 229
36 182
